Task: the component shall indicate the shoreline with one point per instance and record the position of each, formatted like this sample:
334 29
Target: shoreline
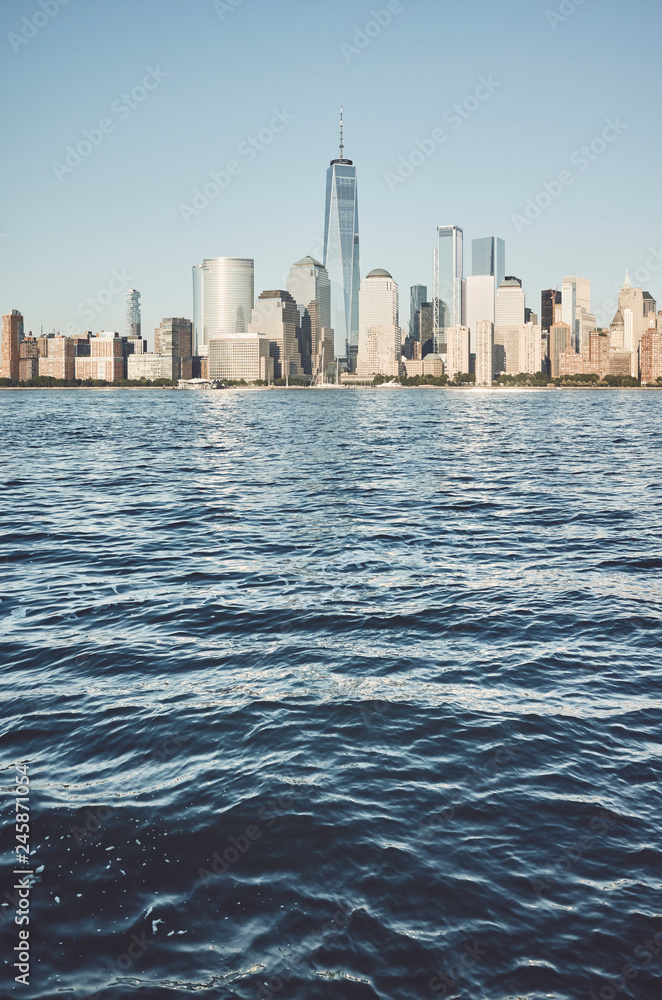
307 388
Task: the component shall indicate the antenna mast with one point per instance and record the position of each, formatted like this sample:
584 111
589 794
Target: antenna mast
342 147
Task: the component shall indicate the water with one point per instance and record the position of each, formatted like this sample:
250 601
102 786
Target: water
352 693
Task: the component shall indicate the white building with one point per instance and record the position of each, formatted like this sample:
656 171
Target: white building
457 351
530 349
151 366
484 347
509 316
380 336
480 301
245 356
223 297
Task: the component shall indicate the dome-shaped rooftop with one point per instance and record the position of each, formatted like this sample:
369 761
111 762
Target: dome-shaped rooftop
379 272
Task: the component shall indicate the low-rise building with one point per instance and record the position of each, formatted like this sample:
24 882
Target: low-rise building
60 361
241 357
152 366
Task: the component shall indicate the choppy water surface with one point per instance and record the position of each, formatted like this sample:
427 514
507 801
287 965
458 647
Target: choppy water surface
346 695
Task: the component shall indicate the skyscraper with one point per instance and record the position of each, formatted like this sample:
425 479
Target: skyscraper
223 298
418 294
133 322
173 338
341 252
308 283
631 300
509 315
484 345
12 335
569 310
448 291
380 336
488 256
276 315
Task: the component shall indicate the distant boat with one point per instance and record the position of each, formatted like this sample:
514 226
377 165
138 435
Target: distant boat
389 385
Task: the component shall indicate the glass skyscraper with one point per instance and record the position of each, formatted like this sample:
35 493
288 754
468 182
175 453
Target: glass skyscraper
489 257
133 324
448 283
341 253
418 294
223 298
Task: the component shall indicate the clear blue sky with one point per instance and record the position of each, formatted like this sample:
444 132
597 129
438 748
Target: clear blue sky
229 69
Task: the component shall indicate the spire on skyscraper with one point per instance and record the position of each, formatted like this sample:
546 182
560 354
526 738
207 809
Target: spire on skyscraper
342 147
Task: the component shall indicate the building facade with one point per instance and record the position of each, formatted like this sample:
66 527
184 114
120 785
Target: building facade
650 357
105 361
448 283
276 315
133 324
484 350
223 298
308 284
12 335
28 361
380 337
174 337
509 318
152 366
457 351
418 294
488 257
245 357
60 359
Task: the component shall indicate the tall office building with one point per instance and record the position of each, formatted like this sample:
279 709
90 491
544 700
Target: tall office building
569 309
12 335
276 315
577 314
174 339
560 340
133 321
341 253
426 323
448 283
484 347
488 257
418 294
223 298
631 307
547 300
308 284
380 341
509 317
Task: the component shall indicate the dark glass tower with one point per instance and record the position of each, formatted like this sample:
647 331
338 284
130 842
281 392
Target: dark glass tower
341 253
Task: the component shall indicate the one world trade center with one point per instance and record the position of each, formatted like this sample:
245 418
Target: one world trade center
341 254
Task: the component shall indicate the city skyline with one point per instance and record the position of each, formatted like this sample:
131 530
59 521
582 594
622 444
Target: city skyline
72 232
